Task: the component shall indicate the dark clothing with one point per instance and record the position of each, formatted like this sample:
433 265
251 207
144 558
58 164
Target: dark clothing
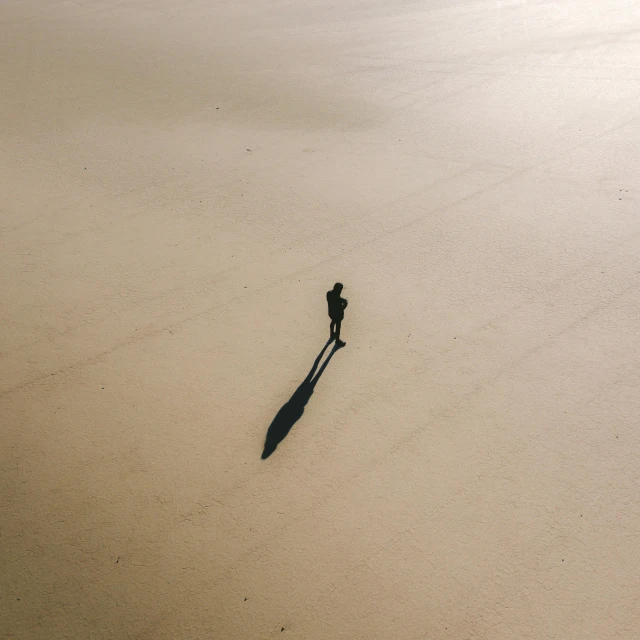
336 304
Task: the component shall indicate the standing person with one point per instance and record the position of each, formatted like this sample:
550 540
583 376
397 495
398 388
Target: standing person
337 305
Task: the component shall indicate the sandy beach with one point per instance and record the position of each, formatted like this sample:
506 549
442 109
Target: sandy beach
182 183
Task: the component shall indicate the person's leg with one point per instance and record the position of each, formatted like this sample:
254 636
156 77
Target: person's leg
332 329
339 343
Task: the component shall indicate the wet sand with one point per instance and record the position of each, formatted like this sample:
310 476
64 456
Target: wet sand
182 183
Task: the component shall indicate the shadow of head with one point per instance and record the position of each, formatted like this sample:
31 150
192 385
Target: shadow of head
293 409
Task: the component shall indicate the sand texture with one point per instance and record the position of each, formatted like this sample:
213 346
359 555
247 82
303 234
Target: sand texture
181 184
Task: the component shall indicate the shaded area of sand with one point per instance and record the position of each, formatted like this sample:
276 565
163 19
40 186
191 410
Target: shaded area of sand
181 184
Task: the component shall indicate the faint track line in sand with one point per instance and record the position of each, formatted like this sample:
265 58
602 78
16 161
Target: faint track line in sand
416 432
516 66
339 486
199 287
385 233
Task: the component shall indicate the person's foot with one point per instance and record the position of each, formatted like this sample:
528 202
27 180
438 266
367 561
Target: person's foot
340 343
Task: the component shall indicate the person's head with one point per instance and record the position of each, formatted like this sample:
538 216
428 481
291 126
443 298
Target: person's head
337 287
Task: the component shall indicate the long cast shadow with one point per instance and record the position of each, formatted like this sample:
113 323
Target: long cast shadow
292 411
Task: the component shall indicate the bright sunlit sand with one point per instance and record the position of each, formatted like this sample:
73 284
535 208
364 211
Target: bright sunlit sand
182 183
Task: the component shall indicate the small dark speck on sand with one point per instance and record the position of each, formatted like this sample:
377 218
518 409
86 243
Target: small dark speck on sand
245 599
103 387
248 149
281 630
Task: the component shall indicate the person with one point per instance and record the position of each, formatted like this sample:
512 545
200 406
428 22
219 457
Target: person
337 305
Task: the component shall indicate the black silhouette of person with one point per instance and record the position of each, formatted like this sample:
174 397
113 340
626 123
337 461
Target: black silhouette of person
337 305
292 411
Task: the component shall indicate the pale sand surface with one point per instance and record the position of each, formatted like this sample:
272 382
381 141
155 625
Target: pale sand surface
181 184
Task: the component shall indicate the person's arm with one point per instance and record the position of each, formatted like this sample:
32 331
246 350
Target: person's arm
345 302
